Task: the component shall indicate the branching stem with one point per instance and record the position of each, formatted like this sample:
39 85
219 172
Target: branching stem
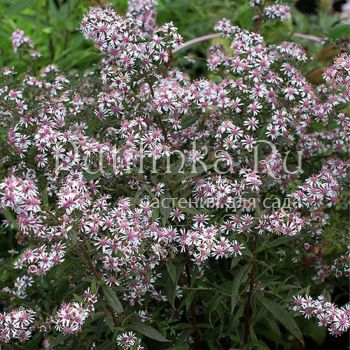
98 277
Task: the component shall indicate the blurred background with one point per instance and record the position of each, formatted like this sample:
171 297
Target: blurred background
54 26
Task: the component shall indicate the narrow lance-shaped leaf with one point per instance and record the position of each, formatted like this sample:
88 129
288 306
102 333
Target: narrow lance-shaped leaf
189 120
112 299
283 316
171 268
274 243
148 331
236 284
165 209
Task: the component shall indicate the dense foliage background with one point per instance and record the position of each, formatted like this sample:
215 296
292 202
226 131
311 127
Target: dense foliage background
53 26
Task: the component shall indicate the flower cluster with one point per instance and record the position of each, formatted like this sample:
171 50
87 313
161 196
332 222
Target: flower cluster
39 261
341 266
21 284
19 39
128 341
22 42
202 243
323 188
337 268
280 12
90 154
282 223
20 195
255 2
336 319
144 13
16 325
128 47
70 317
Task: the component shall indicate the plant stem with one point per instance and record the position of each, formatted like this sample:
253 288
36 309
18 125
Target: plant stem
258 19
98 277
51 44
158 119
308 37
207 37
196 41
197 338
66 32
248 310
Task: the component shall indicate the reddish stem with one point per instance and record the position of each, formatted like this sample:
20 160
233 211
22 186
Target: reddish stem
197 338
98 277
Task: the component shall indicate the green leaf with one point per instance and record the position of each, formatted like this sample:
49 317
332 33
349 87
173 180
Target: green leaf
274 243
179 347
148 331
340 31
199 170
236 284
275 32
171 268
245 16
234 320
283 316
73 236
273 326
57 341
45 198
78 298
94 286
174 272
312 330
177 167
18 6
212 307
165 209
112 299
187 121
186 206
189 299
170 292
259 345
109 322
106 345
8 215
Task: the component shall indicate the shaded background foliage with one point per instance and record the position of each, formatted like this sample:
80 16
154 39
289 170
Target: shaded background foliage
53 26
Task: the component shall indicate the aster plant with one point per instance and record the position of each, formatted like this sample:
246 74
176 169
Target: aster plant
154 211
